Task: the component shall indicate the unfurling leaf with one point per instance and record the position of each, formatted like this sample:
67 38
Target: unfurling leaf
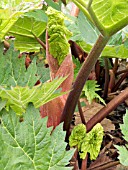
123 150
87 142
30 144
59 35
77 135
92 142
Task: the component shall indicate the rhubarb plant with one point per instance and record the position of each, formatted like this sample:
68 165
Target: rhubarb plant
17 83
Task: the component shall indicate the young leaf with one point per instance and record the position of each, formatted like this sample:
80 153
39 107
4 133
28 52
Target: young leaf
87 142
92 142
123 150
59 35
90 89
30 144
77 135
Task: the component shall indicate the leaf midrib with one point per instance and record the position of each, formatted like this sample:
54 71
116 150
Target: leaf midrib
18 145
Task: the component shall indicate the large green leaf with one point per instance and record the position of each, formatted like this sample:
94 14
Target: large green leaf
109 16
85 35
19 97
30 144
27 28
11 10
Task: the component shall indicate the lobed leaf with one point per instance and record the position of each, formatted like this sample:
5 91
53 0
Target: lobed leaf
30 144
19 97
90 89
13 71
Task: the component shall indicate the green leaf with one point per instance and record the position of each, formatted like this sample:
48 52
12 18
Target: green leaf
77 135
109 16
87 142
19 97
90 89
123 155
13 71
11 10
59 35
88 31
54 5
28 27
85 35
2 104
123 127
42 71
77 66
111 13
92 142
123 150
30 144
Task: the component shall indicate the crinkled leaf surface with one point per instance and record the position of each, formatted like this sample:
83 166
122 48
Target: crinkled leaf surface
123 150
28 27
13 71
30 144
11 10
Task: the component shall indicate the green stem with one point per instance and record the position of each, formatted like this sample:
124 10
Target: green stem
80 81
89 4
81 2
83 9
97 23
